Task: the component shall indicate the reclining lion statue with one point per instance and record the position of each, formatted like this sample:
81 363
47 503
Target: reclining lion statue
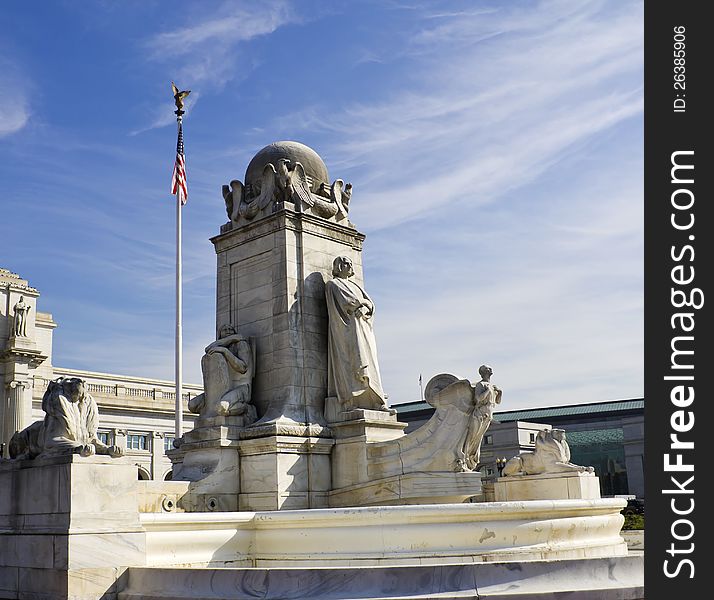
69 426
551 455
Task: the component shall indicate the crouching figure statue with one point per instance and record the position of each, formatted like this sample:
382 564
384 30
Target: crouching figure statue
551 455
228 369
69 426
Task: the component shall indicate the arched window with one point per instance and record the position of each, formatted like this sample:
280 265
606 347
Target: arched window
169 476
143 474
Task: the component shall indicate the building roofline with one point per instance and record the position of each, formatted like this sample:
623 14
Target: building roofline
572 408
114 376
574 405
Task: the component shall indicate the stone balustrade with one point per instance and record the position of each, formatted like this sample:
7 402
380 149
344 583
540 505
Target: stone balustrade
105 386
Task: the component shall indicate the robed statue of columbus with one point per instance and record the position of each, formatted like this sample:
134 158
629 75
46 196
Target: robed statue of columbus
352 371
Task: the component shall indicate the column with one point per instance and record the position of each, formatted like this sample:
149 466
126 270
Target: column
3 410
15 418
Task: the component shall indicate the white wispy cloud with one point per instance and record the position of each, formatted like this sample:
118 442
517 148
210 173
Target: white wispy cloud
15 107
234 23
488 104
207 54
14 114
557 311
164 114
493 99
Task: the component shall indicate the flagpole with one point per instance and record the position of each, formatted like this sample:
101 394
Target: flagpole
179 307
180 188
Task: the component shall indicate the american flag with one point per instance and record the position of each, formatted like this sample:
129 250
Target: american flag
179 185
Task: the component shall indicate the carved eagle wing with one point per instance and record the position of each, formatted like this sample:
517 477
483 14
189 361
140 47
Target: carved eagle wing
267 186
337 196
301 187
233 196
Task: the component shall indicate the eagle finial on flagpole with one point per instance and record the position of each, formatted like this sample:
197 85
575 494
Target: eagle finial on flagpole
179 98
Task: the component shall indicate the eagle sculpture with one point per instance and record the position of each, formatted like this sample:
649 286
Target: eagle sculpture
179 96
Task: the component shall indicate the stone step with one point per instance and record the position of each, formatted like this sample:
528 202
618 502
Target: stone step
619 578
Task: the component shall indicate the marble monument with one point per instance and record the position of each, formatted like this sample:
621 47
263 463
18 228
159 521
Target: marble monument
300 419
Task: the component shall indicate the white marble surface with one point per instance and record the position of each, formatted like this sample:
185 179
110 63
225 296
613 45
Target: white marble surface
548 486
284 472
634 538
411 488
95 493
90 560
619 578
389 535
161 496
69 527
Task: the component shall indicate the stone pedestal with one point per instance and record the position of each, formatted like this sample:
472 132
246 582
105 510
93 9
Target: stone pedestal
353 433
271 287
209 459
69 526
284 472
548 486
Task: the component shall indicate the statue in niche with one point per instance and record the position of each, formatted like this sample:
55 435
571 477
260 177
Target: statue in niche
228 368
21 311
352 368
69 426
551 455
485 398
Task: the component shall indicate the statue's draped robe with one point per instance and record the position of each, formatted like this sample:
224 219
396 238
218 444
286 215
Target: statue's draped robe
224 386
353 370
485 398
68 424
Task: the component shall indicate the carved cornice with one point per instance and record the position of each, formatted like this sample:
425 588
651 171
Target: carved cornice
286 429
16 283
285 444
286 218
26 289
23 354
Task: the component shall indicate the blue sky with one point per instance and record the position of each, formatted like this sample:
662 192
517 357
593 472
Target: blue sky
495 150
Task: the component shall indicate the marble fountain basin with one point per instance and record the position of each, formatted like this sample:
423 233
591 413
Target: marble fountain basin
388 535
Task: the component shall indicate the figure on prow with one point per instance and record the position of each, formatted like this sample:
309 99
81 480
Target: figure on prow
486 396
